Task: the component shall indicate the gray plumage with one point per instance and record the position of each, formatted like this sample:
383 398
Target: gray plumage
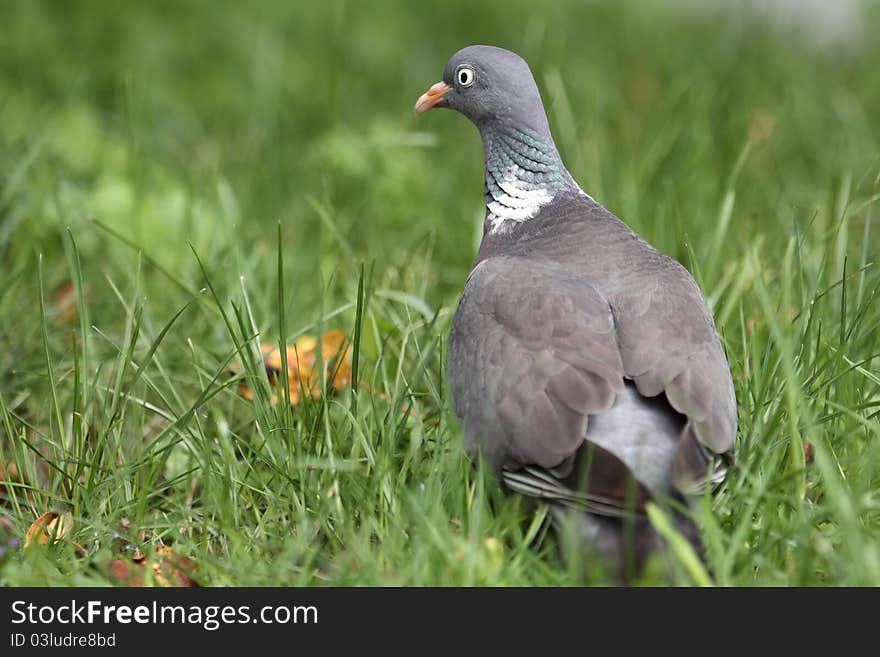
584 364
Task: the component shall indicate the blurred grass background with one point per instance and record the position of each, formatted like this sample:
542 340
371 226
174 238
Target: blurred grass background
140 140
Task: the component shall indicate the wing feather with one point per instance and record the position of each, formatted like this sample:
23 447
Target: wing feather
530 362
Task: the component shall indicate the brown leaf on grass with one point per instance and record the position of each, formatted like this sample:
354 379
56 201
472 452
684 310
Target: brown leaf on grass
49 527
303 375
302 368
808 452
168 570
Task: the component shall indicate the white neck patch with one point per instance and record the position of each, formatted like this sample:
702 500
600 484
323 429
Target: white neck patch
514 200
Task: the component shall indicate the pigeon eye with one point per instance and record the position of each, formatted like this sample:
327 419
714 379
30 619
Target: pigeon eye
465 76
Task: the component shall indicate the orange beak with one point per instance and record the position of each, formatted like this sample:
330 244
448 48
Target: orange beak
431 97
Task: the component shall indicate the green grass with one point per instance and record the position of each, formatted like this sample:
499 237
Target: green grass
212 177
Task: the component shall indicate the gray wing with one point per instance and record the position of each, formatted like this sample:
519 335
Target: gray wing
533 354
668 344
531 358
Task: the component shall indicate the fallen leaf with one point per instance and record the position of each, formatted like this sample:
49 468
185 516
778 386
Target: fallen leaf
303 375
49 526
302 368
339 364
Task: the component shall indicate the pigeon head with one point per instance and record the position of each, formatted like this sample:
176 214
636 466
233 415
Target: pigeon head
495 89
489 85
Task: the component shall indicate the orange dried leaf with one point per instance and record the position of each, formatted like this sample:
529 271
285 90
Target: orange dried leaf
49 527
306 344
271 357
337 356
245 391
303 374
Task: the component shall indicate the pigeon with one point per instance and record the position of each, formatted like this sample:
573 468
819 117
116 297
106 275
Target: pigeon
584 365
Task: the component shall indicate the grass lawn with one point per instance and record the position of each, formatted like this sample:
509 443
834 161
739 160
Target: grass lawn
181 183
